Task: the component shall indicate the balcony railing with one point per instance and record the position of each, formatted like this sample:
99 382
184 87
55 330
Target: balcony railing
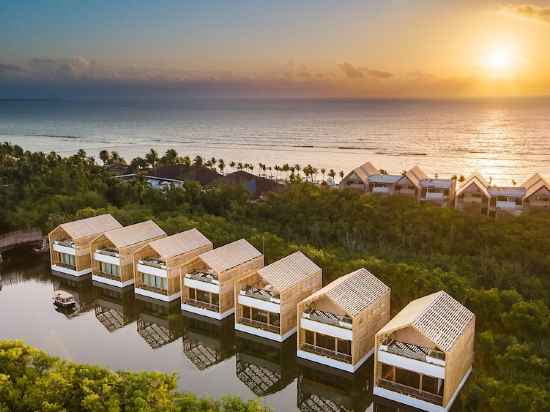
329 318
317 350
410 391
259 293
155 263
204 276
202 305
108 276
154 289
411 351
260 325
65 265
108 252
65 243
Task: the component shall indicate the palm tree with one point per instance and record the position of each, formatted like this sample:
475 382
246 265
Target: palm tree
221 165
323 171
152 157
332 174
197 161
270 172
341 174
186 161
240 166
232 165
297 167
104 156
169 157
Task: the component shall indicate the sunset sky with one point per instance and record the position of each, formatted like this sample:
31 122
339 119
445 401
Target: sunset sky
274 49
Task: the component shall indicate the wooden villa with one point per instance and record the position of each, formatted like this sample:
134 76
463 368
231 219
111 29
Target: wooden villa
358 178
417 184
265 301
113 252
207 288
159 264
537 193
424 355
70 243
473 197
337 324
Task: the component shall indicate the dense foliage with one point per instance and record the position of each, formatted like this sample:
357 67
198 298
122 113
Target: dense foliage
499 268
30 380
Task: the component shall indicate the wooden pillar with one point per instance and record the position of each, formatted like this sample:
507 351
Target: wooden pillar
420 382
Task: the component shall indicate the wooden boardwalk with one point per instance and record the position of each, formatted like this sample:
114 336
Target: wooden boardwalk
17 238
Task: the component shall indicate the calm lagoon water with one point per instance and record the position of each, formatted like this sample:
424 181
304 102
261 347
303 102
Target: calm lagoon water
503 139
117 330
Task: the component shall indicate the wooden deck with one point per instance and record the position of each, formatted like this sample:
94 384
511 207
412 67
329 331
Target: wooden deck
17 238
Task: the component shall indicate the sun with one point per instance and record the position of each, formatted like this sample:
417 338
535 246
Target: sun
500 61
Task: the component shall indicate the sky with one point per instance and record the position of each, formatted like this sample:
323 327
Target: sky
321 48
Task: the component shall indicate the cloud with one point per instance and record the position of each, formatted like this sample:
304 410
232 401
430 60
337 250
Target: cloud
350 71
10 68
530 11
60 68
379 74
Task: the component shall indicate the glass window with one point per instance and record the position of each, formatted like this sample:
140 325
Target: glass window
67 259
387 372
431 384
310 337
109 269
154 281
407 378
259 315
215 298
192 294
275 319
327 342
203 296
246 312
344 346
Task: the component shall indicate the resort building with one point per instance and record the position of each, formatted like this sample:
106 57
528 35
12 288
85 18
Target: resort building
358 178
265 301
424 354
473 197
70 243
506 200
207 288
113 252
159 264
417 184
383 184
537 193
337 324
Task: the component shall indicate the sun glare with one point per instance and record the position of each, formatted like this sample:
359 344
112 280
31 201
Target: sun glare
500 62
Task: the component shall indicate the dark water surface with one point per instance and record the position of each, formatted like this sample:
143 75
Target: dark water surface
117 330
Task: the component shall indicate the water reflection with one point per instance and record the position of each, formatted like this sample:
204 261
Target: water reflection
207 342
159 323
265 367
114 307
80 288
324 389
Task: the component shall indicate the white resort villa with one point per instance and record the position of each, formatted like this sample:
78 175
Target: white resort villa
70 243
207 288
337 324
424 354
159 264
266 300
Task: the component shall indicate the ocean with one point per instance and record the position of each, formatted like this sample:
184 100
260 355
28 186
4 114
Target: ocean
503 139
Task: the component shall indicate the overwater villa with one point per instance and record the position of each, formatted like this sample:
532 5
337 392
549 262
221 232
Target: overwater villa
537 193
265 301
424 354
207 342
70 243
159 264
113 252
337 324
207 288
358 178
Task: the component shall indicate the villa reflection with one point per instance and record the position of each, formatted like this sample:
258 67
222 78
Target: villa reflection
327 389
80 288
158 323
385 405
114 307
207 342
265 367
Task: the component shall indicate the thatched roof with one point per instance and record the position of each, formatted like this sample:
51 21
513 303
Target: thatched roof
179 243
133 234
230 255
288 271
438 317
91 226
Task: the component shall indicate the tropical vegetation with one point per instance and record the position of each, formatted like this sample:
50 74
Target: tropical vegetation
500 268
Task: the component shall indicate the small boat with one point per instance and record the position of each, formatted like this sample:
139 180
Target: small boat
64 299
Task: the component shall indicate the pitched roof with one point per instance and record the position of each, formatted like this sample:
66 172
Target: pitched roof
230 255
179 243
132 234
477 180
288 271
438 317
90 226
364 171
355 291
415 175
534 184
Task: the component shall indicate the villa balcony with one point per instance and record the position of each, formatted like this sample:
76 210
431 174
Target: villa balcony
412 357
201 305
154 290
152 266
410 391
327 323
107 256
327 353
435 196
260 298
381 189
260 325
206 281
507 204
64 246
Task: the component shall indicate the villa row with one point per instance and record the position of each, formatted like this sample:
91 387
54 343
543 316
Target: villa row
472 195
422 356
